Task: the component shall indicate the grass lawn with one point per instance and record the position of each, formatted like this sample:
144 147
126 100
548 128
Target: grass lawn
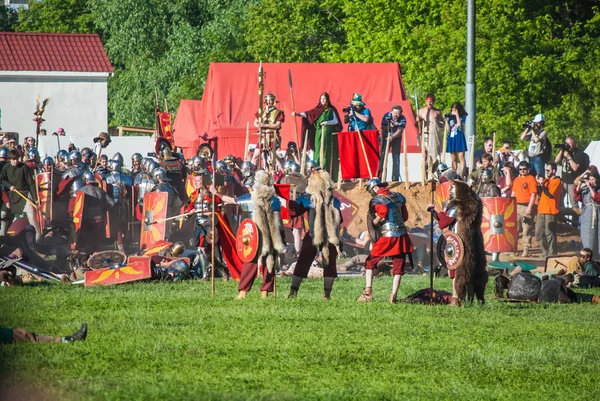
173 341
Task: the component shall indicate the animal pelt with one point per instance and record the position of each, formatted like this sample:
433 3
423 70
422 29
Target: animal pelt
268 222
472 271
327 220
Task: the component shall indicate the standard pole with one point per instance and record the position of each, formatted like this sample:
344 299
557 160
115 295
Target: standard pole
470 90
431 244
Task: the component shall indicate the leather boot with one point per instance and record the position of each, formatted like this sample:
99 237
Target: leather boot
79 335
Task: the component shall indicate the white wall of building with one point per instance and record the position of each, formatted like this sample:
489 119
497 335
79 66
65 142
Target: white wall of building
78 102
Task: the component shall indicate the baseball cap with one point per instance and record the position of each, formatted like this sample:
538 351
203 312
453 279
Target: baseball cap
538 118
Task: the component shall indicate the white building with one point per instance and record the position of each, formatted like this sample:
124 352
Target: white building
70 69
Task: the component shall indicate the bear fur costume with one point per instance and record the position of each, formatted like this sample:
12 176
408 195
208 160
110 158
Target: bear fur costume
471 273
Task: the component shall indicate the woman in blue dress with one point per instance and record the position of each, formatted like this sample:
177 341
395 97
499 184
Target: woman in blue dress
457 144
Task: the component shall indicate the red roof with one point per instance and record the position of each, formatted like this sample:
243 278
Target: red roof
52 52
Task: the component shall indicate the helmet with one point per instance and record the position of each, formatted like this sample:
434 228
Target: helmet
202 171
136 157
486 176
270 96
312 165
166 153
291 168
114 165
62 155
442 167
152 165
247 168
229 159
119 157
179 269
374 182
221 167
177 248
160 174
3 153
89 178
197 161
76 186
48 161
143 162
32 153
74 156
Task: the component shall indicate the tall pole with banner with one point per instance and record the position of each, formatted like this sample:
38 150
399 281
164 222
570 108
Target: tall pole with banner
470 89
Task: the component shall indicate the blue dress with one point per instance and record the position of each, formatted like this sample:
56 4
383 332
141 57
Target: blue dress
456 138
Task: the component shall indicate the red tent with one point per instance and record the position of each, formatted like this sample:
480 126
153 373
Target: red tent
231 99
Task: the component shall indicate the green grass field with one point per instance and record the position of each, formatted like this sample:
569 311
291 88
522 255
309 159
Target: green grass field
173 341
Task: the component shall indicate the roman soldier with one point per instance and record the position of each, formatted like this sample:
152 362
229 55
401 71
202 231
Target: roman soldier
175 171
121 184
163 184
269 123
386 219
136 164
102 169
264 207
247 174
294 177
96 204
62 158
71 178
324 218
487 187
33 160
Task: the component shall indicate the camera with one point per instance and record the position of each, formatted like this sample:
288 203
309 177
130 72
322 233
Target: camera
347 109
527 220
564 146
585 177
388 118
528 124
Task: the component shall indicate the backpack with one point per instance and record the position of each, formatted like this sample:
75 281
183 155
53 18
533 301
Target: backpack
546 148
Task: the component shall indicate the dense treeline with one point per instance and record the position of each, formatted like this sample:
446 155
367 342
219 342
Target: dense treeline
532 55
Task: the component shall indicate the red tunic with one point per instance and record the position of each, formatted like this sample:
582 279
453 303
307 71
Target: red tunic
391 246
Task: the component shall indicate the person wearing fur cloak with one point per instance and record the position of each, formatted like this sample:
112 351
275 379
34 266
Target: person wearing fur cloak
264 208
324 219
463 214
387 214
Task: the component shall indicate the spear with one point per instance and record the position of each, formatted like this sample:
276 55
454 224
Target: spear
293 105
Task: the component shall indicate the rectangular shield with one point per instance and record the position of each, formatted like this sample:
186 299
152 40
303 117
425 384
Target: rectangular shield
154 212
132 271
107 187
44 186
499 224
348 209
77 218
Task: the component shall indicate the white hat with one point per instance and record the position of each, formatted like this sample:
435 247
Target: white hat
538 118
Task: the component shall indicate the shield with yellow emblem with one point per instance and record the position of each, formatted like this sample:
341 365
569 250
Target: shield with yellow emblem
499 224
119 273
154 212
77 218
247 240
443 194
44 187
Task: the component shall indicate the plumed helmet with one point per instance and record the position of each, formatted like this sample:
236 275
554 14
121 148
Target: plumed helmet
48 161
32 153
221 167
3 153
152 165
74 156
114 165
62 155
160 174
136 157
177 248
89 178
118 156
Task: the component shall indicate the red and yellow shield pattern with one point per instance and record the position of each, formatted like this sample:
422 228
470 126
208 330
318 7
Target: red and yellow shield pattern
155 208
77 218
499 224
44 185
132 271
189 185
247 240
443 194
155 248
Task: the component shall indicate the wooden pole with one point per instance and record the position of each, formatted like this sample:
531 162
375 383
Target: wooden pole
493 147
405 151
423 158
293 106
385 158
303 164
471 154
362 145
431 253
339 181
331 141
445 143
247 141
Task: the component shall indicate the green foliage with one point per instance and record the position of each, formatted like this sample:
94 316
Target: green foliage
57 16
8 18
173 341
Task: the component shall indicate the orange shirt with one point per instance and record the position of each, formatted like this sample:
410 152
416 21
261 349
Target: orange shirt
548 205
523 187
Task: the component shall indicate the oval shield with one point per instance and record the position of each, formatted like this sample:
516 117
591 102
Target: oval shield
247 240
454 252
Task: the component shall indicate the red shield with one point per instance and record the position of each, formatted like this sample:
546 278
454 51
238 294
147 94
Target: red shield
247 240
443 194
155 209
499 224
454 252
44 185
348 209
155 248
76 220
133 271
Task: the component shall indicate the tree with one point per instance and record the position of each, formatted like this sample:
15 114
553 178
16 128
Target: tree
64 16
